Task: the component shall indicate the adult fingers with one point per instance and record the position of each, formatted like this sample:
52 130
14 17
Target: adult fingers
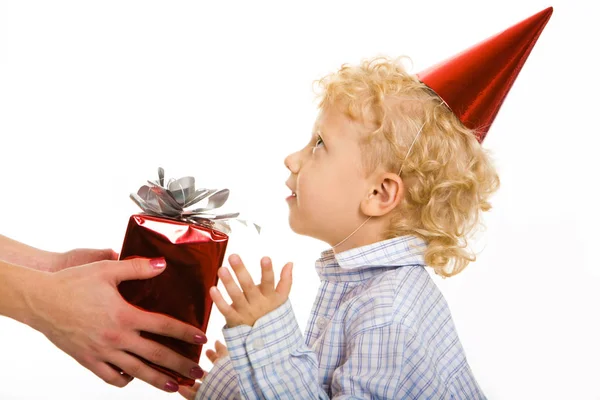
161 355
166 326
138 369
135 268
110 375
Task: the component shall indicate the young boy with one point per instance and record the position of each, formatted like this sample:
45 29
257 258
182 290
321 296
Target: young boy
394 179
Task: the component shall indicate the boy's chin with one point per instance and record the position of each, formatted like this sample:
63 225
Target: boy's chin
294 226
299 229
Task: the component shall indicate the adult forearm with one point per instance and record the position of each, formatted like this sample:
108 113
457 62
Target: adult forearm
14 252
16 285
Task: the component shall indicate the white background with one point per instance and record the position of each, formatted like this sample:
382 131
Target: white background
94 96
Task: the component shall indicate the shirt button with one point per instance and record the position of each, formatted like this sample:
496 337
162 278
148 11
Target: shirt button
321 323
258 344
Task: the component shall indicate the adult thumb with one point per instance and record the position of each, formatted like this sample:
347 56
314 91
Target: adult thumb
138 268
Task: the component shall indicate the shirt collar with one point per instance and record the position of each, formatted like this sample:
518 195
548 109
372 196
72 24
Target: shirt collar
367 261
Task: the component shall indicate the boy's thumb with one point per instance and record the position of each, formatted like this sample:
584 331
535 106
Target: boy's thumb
139 268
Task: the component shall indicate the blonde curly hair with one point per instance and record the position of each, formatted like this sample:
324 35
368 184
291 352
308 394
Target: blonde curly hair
448 176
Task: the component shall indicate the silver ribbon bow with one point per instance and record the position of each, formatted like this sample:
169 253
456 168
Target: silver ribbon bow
172 201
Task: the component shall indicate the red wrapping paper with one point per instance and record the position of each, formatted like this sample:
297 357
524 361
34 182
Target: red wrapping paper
193 254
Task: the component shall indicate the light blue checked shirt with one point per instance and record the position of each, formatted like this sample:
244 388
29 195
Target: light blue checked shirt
379 329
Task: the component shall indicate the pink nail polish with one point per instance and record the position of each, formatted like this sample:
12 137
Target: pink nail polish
158 263
200 339
171 387
196 373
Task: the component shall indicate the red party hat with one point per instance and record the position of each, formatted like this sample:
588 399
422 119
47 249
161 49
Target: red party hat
475 82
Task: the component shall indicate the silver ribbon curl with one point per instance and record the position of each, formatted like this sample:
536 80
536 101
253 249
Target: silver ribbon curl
171 201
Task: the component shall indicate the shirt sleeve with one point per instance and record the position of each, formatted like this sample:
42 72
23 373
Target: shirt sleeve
271 359
220 383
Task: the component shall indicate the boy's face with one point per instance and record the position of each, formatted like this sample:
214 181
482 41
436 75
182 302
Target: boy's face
327 180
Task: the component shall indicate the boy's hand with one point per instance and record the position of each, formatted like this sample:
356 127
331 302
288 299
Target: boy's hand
219 352
251 301
189 393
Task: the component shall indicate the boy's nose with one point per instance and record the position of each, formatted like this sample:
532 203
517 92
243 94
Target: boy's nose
292 162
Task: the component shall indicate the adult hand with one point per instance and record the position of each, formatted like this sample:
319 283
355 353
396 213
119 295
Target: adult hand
18 253
76 257
81 311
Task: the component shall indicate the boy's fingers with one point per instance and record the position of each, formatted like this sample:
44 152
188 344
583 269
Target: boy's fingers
228 312
221 348
211 355
267 282
189 393
235 293
243 276
285 282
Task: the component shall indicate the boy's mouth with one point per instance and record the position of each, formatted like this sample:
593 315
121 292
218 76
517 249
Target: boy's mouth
292 196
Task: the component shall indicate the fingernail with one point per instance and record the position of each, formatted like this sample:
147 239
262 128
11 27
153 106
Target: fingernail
158 263
171 387
196 372
200 339
235 258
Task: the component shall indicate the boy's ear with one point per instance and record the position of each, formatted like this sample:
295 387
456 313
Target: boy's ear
384 196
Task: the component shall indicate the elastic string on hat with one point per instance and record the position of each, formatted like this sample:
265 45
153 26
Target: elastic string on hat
399 172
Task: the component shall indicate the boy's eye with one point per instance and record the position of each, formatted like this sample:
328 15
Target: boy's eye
318 140
318 143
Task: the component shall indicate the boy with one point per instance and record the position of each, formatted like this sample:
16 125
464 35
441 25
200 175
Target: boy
394 179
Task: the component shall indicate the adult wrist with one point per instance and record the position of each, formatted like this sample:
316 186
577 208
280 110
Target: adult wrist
20 290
